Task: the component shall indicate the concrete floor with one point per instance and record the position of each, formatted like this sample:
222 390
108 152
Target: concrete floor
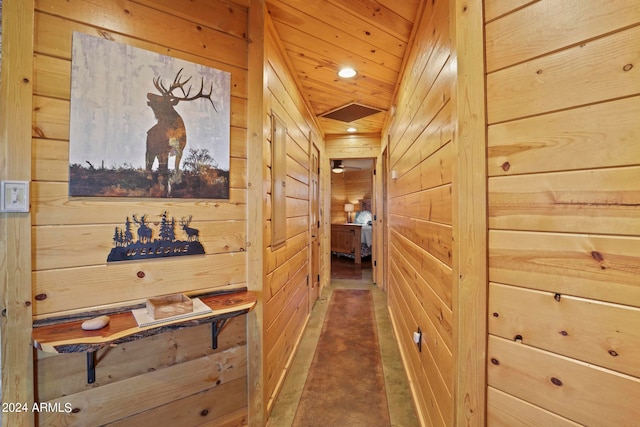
401 410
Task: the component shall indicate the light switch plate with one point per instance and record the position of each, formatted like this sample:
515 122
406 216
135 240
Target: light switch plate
14 196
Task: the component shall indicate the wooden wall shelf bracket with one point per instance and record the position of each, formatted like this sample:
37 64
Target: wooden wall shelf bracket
91 367
216 327
65 334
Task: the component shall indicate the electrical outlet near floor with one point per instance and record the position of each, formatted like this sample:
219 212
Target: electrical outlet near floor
417 339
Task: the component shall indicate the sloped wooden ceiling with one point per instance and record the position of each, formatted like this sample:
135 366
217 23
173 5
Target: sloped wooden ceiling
370 36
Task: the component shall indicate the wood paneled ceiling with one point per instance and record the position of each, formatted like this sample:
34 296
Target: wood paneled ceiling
370 36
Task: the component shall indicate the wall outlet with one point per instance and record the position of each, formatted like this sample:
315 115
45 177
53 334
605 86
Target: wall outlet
417 339
14 196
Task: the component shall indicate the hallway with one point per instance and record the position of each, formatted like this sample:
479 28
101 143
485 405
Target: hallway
401 411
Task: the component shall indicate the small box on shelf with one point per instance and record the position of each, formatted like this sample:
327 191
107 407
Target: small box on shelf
169 305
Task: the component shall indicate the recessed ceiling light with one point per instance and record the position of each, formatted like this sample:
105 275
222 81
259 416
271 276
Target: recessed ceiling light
352 130
347 73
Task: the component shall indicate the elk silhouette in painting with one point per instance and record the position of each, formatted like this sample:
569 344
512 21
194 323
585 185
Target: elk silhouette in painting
169 135
144 124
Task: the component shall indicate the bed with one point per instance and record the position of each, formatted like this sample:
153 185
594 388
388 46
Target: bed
354 239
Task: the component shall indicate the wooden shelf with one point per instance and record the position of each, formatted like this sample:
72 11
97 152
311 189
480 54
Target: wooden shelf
67 336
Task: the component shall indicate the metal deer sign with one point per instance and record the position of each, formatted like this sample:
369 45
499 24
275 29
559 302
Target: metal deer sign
158 241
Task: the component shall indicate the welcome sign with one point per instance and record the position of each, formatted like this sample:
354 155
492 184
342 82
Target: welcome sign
139 239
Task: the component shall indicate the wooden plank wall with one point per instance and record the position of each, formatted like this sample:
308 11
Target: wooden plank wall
353 146
71 238
338 198
563 99
256 172
286 292
420 217
15 229
469 197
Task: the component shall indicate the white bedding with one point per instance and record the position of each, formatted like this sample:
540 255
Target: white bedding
365 235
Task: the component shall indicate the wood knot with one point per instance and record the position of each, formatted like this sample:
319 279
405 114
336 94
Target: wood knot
564 333
597 256
613 353
140 274
106 35
75 410
496 315
38 132
518 338
506 166
495 361
627 67
557 297
556 381
204 412
41 297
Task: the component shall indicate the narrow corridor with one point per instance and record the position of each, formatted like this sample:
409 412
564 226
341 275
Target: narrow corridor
401 411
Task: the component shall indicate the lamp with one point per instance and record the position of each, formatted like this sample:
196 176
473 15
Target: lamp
348 208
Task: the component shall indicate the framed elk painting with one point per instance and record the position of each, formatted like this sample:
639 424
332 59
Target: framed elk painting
144 124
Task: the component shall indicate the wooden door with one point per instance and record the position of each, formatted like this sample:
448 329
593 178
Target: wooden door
314 289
